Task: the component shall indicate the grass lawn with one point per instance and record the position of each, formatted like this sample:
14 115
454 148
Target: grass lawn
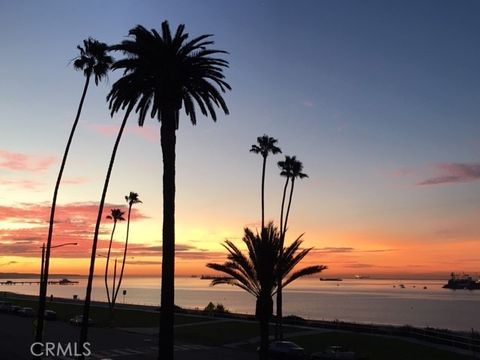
375 347
221 333
122 317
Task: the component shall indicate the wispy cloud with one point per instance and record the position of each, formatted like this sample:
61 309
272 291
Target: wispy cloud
335 250
307 103
28 227
75 180
150 133
9 263
359 266
342 250
447 173
182 251
25 184
15 161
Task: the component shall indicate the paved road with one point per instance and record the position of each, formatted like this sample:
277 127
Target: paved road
16 337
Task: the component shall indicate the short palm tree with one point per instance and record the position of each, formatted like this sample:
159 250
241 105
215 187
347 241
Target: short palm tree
254 272
162 74
94 61
131 200
115 215
258 271
264 146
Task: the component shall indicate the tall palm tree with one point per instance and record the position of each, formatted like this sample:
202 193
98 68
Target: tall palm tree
162 74
291 169
265 145
92 60
254 272
88 294
131 199
286 171
115 215
296 173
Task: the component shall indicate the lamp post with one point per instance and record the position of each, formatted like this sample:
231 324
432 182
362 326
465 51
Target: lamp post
42 299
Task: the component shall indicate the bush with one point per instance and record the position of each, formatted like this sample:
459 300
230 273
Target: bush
212 309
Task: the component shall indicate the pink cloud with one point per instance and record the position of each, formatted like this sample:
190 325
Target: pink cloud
150 133
453 173
24 162
75 180
74 222
22 184
307 103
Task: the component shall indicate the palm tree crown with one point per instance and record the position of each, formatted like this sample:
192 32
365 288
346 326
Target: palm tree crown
254 272
296 169
93 59
286 166
167 73
265 145
132 198
116 215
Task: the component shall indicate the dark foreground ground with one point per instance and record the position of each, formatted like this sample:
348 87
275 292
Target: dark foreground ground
16 336
134 335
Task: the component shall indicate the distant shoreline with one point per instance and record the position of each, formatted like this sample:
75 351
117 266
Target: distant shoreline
439 276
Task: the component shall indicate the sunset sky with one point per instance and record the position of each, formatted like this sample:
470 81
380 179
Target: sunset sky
381 103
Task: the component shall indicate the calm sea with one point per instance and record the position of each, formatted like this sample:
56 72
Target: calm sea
365 300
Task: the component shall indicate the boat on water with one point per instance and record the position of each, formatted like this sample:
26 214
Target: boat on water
331 279
462 282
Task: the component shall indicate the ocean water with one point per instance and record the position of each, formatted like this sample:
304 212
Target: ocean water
362 300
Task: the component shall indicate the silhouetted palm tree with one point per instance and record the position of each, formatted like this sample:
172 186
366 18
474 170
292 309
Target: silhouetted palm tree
286 171
265 145
88 295
115 215
296 169
162 74
131 199
258 271
254 272
291 168
93 60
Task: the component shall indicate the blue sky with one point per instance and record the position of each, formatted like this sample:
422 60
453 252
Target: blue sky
373 97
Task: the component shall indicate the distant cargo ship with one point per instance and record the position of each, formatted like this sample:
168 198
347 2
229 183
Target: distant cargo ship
462 282
331 279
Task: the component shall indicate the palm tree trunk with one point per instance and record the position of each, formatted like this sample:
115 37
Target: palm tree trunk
283 205
263 191
110 315
124 257
263 311
168 140
106 265
43 285
86 307
288 208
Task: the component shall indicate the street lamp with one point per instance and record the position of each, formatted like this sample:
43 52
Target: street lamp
43 257
42 299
